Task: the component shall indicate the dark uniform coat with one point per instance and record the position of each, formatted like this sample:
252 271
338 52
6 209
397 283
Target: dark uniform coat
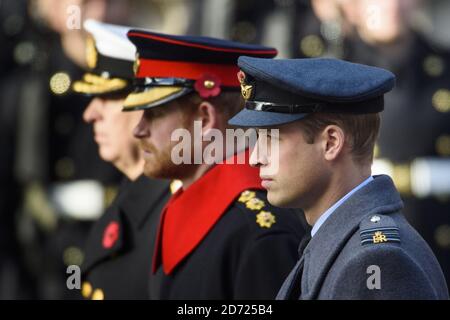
221 239
120 246
365 238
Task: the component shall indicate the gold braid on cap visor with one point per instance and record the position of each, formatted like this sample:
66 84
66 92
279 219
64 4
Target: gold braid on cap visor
94 84
138 99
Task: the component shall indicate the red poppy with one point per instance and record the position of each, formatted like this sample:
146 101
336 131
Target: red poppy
110 235
208 85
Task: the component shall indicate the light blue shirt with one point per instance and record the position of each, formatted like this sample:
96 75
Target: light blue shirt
328 213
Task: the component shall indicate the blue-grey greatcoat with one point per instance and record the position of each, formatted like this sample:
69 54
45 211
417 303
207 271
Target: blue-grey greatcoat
367 250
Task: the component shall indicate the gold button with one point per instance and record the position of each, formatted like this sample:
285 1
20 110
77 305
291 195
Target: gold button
98 295
86 290
441 100
73 256
60 83
433 65
312 46
443 145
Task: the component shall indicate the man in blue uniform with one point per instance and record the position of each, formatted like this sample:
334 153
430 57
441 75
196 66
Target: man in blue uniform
327 112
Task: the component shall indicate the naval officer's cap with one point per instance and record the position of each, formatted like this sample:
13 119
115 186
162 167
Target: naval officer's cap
110 58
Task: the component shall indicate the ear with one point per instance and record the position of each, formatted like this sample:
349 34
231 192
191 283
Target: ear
208 116
332 142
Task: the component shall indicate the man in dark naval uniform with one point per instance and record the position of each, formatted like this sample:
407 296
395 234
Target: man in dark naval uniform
327 112
218 237
118 250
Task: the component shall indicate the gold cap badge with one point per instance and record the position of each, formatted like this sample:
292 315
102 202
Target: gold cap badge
136 65
91 53
246 89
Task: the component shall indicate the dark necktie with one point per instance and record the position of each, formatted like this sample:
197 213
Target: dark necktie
294 280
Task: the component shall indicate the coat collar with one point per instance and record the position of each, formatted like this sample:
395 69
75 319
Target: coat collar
377 197
143 195
191 214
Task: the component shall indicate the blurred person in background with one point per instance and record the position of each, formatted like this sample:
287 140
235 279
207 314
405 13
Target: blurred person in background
408 38
117 255
56 161
55 166
14 282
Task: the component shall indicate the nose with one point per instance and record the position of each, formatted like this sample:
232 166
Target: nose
93 111
258 157
142 129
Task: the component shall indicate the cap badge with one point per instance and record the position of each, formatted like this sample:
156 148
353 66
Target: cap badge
246 89
91 53
136 64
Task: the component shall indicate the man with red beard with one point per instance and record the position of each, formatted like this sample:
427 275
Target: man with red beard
218 237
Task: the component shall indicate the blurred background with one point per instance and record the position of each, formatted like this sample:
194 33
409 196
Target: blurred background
53 184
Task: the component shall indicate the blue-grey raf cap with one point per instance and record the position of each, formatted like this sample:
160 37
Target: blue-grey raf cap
285 90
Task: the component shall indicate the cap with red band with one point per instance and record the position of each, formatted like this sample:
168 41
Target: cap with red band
170 66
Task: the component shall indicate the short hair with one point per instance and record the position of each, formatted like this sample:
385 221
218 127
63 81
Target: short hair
228 103
361 131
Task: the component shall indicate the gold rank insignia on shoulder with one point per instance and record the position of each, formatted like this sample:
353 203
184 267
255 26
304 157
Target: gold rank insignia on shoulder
265 219
246 196
91 53
255 204
379 235
246 89
251 202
